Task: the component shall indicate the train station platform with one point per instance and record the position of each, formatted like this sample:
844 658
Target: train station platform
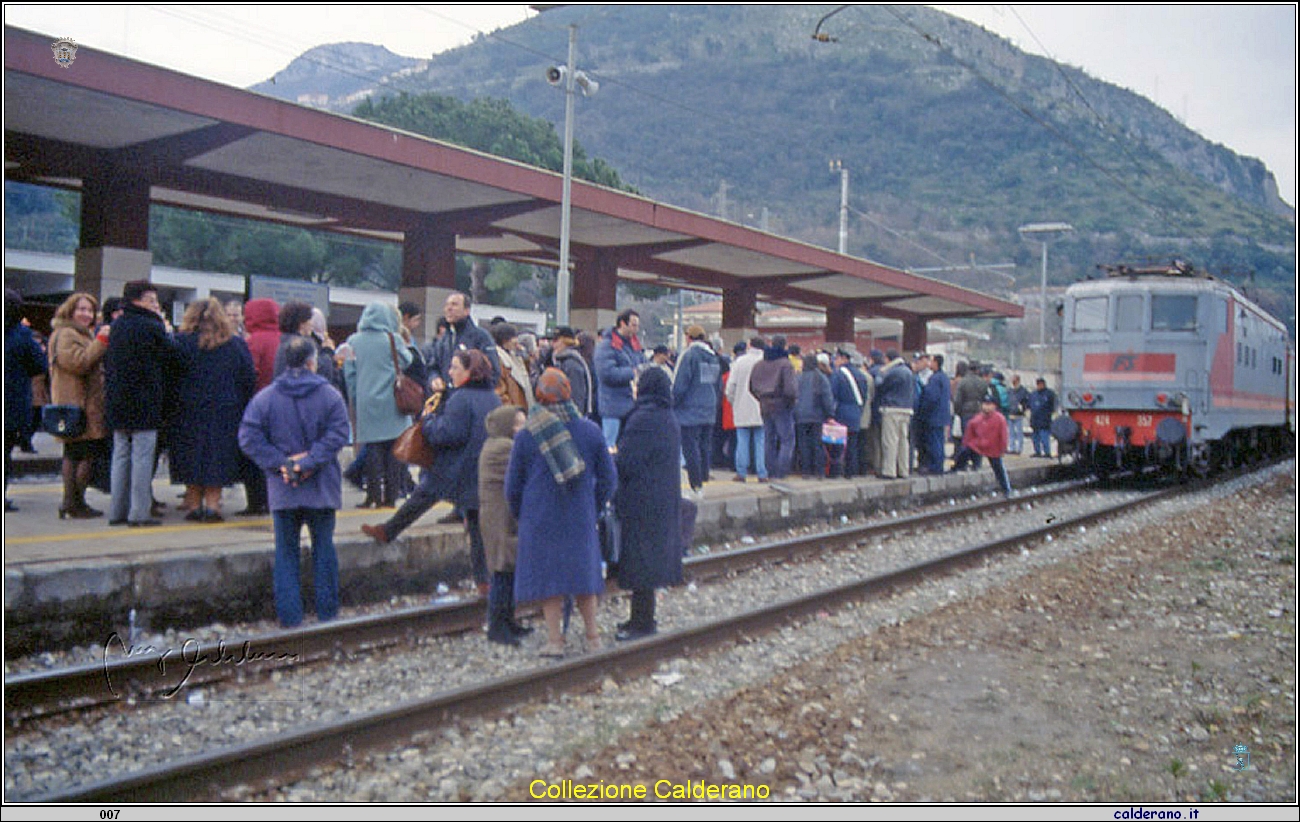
76 581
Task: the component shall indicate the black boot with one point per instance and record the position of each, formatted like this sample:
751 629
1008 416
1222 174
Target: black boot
508 585
500 597
642 622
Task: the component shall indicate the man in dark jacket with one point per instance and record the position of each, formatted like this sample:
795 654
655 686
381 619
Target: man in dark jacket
140 367
566 357
461 332
934 415
1042 405
967 396
1018 399
774 384
849 388
814 406
23 361
617 356
695 401
293 430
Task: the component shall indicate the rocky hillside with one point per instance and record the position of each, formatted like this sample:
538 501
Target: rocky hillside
340 75
952 136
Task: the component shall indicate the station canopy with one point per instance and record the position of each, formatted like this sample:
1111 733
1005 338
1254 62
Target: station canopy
206 146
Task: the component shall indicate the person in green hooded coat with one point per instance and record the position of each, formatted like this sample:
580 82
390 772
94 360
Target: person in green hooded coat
370 379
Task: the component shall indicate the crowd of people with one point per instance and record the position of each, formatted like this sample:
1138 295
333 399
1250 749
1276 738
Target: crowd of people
532 440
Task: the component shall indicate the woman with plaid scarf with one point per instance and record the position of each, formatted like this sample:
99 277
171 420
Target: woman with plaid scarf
560 475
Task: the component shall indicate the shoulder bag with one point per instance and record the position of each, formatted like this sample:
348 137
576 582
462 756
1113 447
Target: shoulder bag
408 394
410 446
63 421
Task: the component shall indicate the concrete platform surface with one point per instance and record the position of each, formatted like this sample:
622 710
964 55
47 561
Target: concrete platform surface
72 581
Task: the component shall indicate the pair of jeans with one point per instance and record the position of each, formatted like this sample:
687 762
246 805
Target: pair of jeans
749 441
1000 474
934 449
1043 442
610 426
778 440
1015 435
132 477
325 563
697 445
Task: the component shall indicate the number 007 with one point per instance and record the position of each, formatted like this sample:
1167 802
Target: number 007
109 814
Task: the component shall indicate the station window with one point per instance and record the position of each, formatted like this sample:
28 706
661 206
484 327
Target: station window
1128 312
1173 312
1090 314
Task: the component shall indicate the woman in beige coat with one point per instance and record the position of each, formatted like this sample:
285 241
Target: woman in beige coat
77 378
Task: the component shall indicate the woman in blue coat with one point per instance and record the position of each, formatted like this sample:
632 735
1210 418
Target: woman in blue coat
648 501
456 433
217 381
560 475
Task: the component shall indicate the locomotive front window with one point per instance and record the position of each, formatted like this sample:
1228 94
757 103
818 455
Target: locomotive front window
1173 312
1090 314
1128 312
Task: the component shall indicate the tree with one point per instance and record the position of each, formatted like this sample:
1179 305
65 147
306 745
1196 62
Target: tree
487 125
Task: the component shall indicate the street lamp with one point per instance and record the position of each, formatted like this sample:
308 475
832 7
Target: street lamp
572 80
1044 233
836 165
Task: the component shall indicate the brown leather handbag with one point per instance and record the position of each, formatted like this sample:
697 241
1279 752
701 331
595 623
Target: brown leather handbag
408 394
412 448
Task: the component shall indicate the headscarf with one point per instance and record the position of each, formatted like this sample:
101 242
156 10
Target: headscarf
654 387
547 424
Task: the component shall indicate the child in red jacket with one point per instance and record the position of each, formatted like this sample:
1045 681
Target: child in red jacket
986 435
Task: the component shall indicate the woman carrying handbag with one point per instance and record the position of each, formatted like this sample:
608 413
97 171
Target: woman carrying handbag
77 381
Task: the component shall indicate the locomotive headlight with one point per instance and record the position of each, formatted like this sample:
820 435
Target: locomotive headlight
1162 399
1073 397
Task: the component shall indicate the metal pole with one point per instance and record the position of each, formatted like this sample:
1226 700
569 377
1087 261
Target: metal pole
1042 315
844 210
562 276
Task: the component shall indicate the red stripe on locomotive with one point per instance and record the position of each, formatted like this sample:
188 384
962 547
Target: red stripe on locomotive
1129 367
1099 426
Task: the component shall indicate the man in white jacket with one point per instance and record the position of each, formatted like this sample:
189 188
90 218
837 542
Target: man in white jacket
747 414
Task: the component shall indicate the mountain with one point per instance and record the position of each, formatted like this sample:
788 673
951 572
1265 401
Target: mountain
952 137
340 75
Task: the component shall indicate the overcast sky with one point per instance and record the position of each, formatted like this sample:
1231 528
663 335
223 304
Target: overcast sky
1228 72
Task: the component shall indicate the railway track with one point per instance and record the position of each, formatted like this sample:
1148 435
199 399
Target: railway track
294 752
130 671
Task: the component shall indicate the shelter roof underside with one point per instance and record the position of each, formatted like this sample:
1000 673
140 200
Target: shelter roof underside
214 148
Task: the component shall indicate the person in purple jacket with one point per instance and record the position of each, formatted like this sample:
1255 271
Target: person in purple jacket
293 430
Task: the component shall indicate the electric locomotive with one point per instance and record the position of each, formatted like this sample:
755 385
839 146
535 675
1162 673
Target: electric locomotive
1167 367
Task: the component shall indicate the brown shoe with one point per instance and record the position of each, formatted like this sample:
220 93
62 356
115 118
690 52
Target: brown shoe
376 532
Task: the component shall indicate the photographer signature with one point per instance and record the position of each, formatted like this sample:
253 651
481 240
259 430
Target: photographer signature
189 656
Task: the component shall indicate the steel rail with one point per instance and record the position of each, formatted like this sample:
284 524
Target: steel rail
144 672
283 758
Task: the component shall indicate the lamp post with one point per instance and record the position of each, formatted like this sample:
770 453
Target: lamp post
836 165
1044 233
572 80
